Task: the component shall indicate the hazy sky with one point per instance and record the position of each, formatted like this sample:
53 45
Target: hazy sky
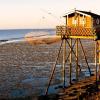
40 13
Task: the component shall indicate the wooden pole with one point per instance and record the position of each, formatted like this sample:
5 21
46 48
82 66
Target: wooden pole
99 51
85 57
53 70
71 50
77 60
96 63
98 58
67 21
70 62
64 59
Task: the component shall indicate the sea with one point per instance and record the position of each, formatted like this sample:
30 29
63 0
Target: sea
13 35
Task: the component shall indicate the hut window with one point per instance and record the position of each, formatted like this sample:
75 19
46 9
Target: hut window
74 21
82 21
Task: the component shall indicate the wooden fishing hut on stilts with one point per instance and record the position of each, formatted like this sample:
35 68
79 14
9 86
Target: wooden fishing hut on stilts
79 25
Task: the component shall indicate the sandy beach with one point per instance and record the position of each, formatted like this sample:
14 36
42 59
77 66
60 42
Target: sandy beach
25 67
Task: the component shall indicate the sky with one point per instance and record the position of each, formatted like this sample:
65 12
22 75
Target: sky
33 14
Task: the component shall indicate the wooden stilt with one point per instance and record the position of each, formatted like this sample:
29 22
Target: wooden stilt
85 56
70 61
99 50
71 51
98 58
53 70
96 63
64 59
72 48
77 60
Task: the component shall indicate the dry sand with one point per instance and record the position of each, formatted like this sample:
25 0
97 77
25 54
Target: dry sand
42 39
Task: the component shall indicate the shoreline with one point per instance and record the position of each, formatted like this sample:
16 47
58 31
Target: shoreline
43 39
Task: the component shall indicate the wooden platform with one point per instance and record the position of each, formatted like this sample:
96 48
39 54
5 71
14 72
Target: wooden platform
76 32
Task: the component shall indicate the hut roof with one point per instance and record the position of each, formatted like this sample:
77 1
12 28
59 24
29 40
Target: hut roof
88 13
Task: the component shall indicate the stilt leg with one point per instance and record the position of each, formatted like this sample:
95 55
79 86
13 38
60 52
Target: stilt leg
53 70
64 58
85 56
77 60
70 62
96 64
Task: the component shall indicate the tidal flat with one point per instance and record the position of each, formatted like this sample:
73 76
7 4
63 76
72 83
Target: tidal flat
25 68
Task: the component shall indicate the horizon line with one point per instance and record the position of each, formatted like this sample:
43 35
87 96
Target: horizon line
24 28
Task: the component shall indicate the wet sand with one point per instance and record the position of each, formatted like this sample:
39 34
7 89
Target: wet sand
25 67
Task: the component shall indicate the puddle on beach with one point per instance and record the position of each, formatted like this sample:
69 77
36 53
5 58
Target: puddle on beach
37 85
